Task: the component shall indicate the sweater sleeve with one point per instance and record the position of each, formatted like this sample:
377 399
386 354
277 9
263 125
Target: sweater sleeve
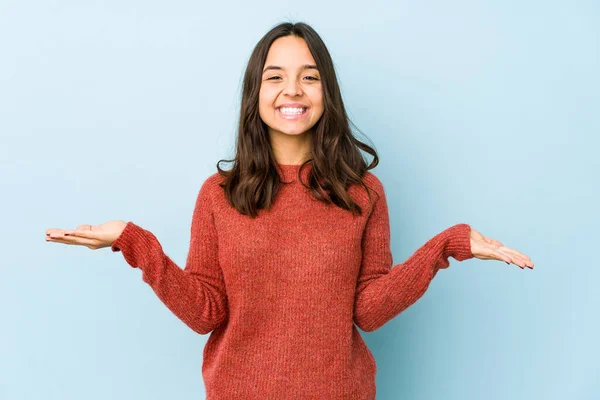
385 290
196 294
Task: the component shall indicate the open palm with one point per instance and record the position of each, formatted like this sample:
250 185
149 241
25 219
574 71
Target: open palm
486 248
91 236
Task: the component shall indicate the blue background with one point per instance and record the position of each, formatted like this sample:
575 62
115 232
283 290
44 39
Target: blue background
484 113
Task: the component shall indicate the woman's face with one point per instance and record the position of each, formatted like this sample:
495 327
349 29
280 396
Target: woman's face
291 96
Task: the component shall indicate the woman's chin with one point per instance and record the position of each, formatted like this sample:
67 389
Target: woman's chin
292 132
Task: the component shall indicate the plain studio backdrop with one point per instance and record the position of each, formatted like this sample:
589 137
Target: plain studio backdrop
482 112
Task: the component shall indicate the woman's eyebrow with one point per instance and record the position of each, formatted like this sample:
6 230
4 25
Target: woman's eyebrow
277 67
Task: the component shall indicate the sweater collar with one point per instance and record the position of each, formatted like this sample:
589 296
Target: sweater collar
289 172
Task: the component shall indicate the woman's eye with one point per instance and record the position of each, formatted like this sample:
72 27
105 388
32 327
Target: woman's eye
311 78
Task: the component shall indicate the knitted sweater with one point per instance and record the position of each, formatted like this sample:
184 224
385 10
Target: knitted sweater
282 295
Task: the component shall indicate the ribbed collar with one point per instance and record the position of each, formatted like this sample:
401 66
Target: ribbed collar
289 172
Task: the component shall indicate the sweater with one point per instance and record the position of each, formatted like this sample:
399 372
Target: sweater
282 294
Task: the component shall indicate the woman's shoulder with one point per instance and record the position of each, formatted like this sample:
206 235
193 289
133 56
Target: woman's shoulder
372 181
371 192
210 185
214 179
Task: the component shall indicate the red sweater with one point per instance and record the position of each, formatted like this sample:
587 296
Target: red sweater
283 294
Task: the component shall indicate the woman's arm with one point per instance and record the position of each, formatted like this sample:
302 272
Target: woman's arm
196 294
385 290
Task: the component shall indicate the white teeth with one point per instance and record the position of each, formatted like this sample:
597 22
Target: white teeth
286 110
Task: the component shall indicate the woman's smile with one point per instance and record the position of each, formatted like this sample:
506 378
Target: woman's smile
292 113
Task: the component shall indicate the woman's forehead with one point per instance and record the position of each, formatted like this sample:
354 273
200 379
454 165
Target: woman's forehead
289 50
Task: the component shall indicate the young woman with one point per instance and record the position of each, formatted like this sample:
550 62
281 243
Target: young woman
290 249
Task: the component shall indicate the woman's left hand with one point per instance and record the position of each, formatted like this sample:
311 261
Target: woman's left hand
486 248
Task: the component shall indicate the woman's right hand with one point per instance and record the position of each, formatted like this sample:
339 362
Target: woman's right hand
91 236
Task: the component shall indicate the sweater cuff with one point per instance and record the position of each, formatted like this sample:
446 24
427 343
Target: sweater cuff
458 242
135 243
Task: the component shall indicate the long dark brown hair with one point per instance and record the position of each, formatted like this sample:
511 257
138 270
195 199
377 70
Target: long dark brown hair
337 162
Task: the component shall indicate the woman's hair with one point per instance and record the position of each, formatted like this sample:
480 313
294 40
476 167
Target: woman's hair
337 162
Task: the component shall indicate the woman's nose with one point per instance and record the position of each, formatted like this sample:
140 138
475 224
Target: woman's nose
292 88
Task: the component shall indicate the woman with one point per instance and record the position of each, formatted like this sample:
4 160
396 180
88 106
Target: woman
290 249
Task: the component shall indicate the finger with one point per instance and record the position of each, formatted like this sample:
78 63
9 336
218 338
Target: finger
60 232
499 255
87 234
524 256
524 260
518 258
515 259
75 241
507 257
56 233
